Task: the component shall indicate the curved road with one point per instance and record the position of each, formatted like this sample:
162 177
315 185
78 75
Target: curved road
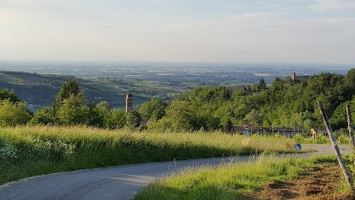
120 182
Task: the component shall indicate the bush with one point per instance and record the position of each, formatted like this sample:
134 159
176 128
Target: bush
12 114
43 116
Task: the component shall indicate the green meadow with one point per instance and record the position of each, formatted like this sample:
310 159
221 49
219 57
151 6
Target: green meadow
34 150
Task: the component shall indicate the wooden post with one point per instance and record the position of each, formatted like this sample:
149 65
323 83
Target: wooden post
346 172
350 126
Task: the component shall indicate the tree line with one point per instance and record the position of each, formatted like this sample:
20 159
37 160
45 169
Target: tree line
285 103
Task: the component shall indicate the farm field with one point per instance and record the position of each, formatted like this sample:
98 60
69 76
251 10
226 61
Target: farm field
267 178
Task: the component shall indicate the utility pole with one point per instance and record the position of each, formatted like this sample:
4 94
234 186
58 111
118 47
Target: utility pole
345 170
350 126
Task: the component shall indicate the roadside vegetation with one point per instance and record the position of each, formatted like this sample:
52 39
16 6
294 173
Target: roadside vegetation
235 181
342 138
34 150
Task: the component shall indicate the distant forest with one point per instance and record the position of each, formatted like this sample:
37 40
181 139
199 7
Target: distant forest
284 103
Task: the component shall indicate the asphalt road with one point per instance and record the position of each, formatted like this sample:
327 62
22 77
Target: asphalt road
120 182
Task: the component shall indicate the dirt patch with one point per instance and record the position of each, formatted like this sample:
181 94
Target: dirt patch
320 184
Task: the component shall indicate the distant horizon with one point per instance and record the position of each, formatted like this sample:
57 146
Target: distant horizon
124 69
74 62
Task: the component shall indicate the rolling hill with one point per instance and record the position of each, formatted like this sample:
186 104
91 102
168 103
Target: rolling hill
39 90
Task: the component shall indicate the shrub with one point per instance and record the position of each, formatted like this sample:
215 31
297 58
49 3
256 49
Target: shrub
43 116
12 114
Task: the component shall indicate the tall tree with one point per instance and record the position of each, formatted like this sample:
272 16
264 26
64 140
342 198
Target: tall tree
72 111
69 88
153 109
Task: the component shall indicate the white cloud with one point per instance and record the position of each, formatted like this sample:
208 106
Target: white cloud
331 5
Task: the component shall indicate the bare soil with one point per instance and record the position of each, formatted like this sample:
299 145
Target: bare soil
320 184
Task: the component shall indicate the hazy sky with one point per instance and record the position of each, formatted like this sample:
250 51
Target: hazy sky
321 31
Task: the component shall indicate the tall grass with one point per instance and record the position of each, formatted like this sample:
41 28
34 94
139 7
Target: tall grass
33 150
231 181
320 139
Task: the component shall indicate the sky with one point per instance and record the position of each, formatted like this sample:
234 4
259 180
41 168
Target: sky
273 31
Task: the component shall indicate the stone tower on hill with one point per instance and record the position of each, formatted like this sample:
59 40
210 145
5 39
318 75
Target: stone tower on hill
299 78
129 102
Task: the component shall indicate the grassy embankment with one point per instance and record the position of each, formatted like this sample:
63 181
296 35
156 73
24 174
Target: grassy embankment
29 151
233 181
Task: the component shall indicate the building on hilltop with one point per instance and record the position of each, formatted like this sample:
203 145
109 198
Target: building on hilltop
299 78
129 102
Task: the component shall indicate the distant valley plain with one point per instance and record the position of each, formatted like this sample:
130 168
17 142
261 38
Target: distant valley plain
38 83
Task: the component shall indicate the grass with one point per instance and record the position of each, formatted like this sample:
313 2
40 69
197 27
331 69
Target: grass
320 139
232 180
35 150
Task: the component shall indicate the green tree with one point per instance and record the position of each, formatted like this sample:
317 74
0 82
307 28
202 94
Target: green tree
43 116
243 106
339 117
94 118
68 89
69 108
308 124
350 80
97 113
285 103
133 119
115 119
13 113
72 111
225 114
153 109
178 118
254 118
226 123
237 94
8 94
254 87
262 85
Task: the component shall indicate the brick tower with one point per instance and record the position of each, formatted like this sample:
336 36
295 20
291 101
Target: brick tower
293 76
129 102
